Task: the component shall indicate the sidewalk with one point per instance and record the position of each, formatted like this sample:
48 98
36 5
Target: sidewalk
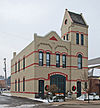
77 102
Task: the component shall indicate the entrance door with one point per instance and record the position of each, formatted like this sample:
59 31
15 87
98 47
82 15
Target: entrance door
59 81
41 88
78 89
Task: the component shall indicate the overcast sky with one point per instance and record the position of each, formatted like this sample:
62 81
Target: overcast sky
20 19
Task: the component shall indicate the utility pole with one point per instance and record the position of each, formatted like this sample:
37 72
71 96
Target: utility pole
5 72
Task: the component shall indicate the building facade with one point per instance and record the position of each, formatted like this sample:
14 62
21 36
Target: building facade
52 59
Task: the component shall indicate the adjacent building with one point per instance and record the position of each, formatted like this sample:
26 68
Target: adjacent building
2 83
53 59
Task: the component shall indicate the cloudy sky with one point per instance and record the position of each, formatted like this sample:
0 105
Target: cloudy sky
20 19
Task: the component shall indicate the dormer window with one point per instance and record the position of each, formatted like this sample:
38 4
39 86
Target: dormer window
66 21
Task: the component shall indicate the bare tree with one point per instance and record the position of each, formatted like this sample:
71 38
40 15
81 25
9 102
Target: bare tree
53 89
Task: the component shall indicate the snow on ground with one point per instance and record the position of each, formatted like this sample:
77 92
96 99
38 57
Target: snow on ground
6 94
3 106
91 97
82 97
21 106
25 106
41 100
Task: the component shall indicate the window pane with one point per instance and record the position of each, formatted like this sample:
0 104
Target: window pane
15 67
57 57
67 37
79 61
77 38
47 59
40 58
57 60
64 38
24 63
85 85
82 39
64 61
48 56
23 84
40 55
18 65
19 85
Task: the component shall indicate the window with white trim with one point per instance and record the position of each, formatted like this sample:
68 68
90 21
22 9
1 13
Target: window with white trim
40 58
79 61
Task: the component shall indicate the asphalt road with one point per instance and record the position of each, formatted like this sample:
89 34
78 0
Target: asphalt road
15 102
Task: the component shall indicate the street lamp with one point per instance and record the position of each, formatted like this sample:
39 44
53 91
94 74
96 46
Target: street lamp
5 72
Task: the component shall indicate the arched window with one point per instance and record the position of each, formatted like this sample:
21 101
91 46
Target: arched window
79 61
47 59
40 58
64 61
57 60
66 21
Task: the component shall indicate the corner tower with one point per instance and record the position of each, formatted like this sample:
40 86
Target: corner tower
75 30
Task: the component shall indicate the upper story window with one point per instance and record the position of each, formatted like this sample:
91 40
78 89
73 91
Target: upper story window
77 38
47 59
15 85
79 61
66 21
64 37
40 58
23 63
64 61
18 85
57 60
18 66
82 39
15 67
67 37
23 84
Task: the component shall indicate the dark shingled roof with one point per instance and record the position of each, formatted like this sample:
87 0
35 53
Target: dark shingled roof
77 18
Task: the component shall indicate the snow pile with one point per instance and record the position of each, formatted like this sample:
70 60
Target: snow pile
91 97
82 97
41 100
6 94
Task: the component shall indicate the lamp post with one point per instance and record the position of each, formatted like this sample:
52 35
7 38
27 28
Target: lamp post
5 72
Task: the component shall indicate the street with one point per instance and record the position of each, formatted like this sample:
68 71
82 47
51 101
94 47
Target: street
15 102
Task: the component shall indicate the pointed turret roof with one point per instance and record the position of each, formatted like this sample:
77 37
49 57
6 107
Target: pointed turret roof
77 18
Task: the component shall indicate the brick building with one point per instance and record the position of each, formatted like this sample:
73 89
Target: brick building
94 84
53 59
2 85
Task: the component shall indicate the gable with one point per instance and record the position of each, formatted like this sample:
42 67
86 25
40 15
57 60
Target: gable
66 18
53 36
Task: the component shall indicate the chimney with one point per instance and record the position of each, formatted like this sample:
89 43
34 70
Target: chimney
14 54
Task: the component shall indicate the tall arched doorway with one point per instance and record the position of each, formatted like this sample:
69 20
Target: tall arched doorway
59 81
